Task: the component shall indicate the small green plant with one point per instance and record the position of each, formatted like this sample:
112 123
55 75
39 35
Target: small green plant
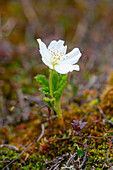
80 152
58 61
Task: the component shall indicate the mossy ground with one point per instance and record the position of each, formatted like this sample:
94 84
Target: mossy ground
59 138
85 24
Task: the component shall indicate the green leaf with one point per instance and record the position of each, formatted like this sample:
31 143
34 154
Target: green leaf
73 138
54 136
12 108
106 134
49 101
42 80
94 102
60 86
75 145
62 78
64 136
55 79
80 152
45 91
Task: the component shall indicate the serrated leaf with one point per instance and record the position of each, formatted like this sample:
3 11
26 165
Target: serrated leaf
42 80
62 76
58 93
49 101
62 79
45 91
60 86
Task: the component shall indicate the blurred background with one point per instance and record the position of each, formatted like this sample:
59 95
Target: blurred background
86 24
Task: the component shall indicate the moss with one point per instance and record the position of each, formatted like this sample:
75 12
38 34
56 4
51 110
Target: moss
107 101
56 144
59 138
33 161
7 155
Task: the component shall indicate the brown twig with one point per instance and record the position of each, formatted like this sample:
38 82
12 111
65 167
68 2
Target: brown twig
56 161
28 150
42 133
104 165
108 131
18 156
95 137
71 158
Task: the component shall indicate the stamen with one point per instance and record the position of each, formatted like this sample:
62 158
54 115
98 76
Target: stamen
56 56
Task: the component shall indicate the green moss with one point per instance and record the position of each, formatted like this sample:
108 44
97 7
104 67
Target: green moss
8 155
54 143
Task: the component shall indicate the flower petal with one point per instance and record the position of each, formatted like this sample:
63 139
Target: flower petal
55 44
58 46
63 50
72 57
46 62
43 49
45 53
65 68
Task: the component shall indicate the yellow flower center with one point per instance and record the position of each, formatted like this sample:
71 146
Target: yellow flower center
56 56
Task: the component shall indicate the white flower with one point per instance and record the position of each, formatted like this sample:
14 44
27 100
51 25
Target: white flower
55 56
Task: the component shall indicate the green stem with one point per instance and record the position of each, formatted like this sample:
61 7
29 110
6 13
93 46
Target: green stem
50 83
57 106
59 113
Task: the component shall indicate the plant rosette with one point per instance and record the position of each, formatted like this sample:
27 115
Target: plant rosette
60 64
